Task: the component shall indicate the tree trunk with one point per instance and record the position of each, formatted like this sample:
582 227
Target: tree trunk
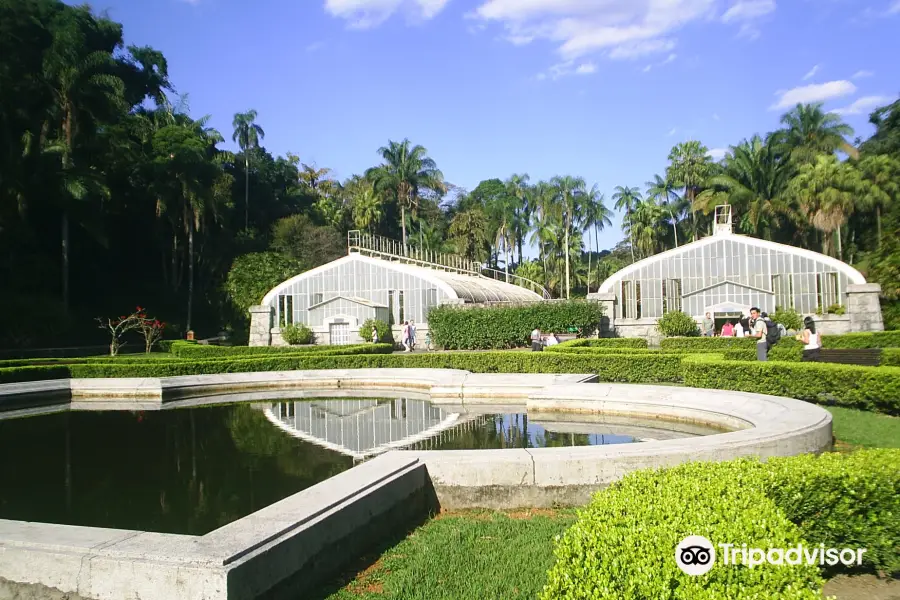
590 255
519 245
567 252
631 234
246 190
840 254
403 222
506 266
65 259
190 305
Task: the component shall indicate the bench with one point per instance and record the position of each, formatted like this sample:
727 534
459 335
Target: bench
866 357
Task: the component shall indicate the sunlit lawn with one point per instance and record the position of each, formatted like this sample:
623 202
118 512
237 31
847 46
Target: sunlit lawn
865 429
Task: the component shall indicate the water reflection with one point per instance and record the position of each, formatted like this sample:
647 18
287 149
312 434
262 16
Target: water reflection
362 428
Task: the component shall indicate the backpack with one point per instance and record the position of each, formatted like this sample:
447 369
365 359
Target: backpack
773 333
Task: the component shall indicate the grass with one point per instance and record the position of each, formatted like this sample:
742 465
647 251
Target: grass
863 429
473 554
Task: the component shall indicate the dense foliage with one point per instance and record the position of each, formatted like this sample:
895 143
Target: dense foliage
790 318
460 328
623 542
297 334
677 324
385 335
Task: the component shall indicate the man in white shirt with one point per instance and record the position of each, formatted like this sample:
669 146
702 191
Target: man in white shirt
536 345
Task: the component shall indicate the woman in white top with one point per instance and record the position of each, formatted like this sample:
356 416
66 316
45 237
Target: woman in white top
810 338
738 329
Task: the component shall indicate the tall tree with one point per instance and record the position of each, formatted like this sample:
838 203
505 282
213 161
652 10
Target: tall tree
595 217
809 131
405 170
247 134
881 175
627 198
826 193
568 190
689 167
663 191
518 188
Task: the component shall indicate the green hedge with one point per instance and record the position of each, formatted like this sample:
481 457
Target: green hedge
604 343
875 339
890 357
188 350
623 543
628 368
867 388
843 500
707 344
500 327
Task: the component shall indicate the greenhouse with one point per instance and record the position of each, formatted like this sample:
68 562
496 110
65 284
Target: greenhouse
380 279
727 274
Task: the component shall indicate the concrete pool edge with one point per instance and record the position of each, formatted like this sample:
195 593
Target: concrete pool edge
245 558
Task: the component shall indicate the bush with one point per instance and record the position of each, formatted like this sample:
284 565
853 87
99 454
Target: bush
875 339
623 543
492 328
297 334
843 501
676 323
385 334
787 349
252 276
707 344
865 388
189 350
790 318
604 343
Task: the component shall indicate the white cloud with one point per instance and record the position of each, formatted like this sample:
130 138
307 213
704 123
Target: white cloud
818 92
669 58
864 105
748 32
862 74
364 14
718 153
745 10
621 29
812 73
647 69
564 69
894 8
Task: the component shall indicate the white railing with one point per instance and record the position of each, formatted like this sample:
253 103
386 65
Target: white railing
369 244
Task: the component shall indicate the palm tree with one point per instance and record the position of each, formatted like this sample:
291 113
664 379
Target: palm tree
84 88
689 166
645 226
405 170
662 190
568 190
754 179
881 174
365 205
247 135
517 187
627 198
808 131
469 232
541 202
596 217
826 195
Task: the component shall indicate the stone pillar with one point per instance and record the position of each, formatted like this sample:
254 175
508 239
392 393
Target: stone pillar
261 325
864 307
608 322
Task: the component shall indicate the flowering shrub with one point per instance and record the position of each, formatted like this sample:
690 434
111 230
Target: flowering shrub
117 327
152 329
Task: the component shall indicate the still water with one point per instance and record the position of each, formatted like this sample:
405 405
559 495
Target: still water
192 470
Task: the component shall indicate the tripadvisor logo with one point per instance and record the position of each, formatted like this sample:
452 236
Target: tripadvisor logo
696 555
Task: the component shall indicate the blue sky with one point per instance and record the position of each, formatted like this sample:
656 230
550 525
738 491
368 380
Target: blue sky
596 88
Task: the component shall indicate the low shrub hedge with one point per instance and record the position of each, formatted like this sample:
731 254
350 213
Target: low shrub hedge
890 357
866 388
623 543
501 327
604 343
875 339
707 344
843 500
188 350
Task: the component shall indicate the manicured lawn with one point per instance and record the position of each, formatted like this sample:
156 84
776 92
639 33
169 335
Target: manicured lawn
478 554
865 429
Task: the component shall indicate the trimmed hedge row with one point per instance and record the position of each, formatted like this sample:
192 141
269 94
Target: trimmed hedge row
190 350
502 327
867 388
623 543
707 344
874 339
627 368
604 343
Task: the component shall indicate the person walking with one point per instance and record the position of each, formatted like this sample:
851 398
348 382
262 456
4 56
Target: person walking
412 334
812 342
374 335
404 335
709 326
536 345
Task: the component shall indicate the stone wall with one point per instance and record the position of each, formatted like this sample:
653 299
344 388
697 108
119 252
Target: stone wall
261 325
864 307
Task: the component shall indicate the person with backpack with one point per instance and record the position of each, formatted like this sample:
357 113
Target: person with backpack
773 331
759 330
